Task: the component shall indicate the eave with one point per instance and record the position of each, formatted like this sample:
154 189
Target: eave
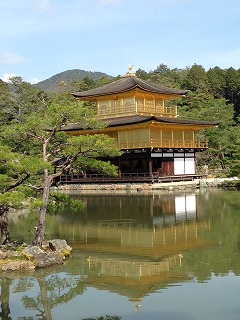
128 123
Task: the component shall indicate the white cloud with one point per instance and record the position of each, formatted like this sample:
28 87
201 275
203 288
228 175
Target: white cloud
12 58
109 2
6 77
44 5
34 80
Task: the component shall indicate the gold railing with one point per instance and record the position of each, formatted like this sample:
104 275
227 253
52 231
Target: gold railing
134 108
179 143
164 143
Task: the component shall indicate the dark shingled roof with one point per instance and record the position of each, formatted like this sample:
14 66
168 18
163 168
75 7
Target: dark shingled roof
126 84
121 121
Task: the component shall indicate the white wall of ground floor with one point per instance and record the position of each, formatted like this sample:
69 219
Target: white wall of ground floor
183 162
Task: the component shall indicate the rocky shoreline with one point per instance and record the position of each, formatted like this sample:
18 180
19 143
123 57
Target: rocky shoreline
22 257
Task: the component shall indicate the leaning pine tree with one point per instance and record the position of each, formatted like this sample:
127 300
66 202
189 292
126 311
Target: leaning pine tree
44 133
40 135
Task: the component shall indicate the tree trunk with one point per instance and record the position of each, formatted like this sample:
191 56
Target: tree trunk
40 231
4 227
46 302
4 298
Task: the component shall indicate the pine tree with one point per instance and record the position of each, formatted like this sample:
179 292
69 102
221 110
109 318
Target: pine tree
36 133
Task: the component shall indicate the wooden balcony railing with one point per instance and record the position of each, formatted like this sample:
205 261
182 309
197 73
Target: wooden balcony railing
164 143
179 143
134 108
143 177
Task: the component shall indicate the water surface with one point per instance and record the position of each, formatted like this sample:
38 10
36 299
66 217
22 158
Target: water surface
136 256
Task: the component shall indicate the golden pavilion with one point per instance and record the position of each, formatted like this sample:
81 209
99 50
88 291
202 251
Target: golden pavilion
154 141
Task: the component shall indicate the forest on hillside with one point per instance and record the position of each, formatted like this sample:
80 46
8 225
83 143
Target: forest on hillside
54 83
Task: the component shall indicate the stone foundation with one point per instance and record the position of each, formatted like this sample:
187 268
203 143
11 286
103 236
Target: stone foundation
137 187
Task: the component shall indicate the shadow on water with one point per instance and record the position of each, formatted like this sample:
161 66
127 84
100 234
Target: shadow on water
129 245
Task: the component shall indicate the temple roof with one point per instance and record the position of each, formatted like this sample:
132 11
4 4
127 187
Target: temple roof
126 84
136 119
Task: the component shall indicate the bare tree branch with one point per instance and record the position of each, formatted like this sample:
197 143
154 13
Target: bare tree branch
18 183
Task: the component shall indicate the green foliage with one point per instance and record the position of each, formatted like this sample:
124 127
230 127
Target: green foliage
216 79
98 145
6 103
36 203
94 165
14 199
164 76
234 163
221 139
60 203
196 79
33 138
15 167
18 173
142 74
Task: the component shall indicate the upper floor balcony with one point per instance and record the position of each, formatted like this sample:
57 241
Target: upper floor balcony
118 109
163 143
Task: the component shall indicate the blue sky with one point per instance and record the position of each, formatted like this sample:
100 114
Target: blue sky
40 38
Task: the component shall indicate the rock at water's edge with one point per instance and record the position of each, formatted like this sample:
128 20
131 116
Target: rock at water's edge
26 257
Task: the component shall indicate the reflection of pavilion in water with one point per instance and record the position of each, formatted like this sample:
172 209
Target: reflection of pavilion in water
183 209
151 210
134 257
132 278
150 226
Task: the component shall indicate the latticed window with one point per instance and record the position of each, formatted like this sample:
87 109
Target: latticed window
159 106
115 106
140 105
150 105
103 109
129 107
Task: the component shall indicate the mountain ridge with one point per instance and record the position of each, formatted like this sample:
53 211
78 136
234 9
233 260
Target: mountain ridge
53 83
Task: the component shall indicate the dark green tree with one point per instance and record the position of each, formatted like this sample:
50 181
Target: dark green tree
234 161
221 139
142 74
165 76
6 103
195 79
216 79
232 89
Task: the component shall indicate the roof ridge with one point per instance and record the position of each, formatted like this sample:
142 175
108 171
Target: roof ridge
125 84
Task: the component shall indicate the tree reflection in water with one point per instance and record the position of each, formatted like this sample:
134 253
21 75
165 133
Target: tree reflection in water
5 309
54 289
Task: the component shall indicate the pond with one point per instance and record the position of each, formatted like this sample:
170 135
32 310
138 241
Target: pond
143 255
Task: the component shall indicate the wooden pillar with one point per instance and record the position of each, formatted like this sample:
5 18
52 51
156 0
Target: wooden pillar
150 167
119 168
